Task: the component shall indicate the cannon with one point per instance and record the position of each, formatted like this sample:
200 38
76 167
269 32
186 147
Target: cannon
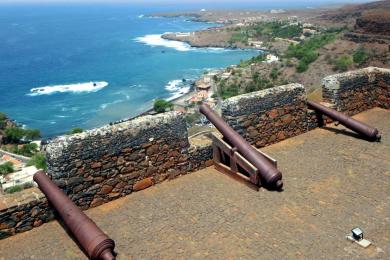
269 175
353 124
90 237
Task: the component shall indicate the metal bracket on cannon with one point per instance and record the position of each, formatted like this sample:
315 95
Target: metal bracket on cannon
230 162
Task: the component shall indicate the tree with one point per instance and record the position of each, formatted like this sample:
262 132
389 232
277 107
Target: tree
39 161
6 168
32 134
14 134
161 105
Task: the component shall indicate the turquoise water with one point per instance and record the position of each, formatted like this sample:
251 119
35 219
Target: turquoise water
55 46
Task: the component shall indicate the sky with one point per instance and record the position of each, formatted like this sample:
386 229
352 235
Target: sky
181 2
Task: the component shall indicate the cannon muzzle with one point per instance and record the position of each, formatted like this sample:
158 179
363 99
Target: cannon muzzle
93 240
359 127
270 176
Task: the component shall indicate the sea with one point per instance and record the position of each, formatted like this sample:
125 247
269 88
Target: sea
67 66
50 56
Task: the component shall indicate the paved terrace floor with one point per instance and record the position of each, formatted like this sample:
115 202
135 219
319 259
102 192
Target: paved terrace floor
333 182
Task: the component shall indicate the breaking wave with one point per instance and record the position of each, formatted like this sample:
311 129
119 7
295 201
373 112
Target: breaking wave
177 88
72 88
156 40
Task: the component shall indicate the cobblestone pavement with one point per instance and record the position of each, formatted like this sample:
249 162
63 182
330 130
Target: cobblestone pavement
333 182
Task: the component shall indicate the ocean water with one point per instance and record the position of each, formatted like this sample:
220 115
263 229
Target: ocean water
60 51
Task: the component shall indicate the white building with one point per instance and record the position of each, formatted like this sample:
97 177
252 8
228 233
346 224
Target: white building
25 176
271 58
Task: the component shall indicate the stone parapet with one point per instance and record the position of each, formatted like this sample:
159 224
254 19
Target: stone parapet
268 116
106 163
356 91
23 211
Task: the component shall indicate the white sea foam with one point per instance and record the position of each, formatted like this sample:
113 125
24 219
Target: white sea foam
141 16
71 109
156 40
177 88
105 105
73 88
61 116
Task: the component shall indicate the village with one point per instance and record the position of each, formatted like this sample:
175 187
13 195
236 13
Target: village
20 156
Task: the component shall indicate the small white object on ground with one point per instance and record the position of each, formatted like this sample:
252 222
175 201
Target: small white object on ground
363 243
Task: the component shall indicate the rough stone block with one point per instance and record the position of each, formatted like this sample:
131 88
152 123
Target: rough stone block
143 184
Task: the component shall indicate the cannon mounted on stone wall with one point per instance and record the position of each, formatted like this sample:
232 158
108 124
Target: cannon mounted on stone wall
90 237
361 128
243 160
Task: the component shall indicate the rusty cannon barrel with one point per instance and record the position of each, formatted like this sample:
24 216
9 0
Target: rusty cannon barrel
369 132
270 176
94 242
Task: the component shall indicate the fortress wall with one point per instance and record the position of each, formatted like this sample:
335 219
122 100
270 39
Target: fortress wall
22 211
113 161
106 163
356 91
268 116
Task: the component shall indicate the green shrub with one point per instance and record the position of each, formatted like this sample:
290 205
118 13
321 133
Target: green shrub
360 56
28 149
256 59
14 189
39 161
161 105
14 134
250 88
32 134
6 168
2 116
310 56
302 66
342 63
306 52
76 130
274 73
270 30
230 91
192 118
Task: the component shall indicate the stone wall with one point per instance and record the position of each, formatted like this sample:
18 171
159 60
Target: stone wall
356 91
268 116
106 163
22 211
113 161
